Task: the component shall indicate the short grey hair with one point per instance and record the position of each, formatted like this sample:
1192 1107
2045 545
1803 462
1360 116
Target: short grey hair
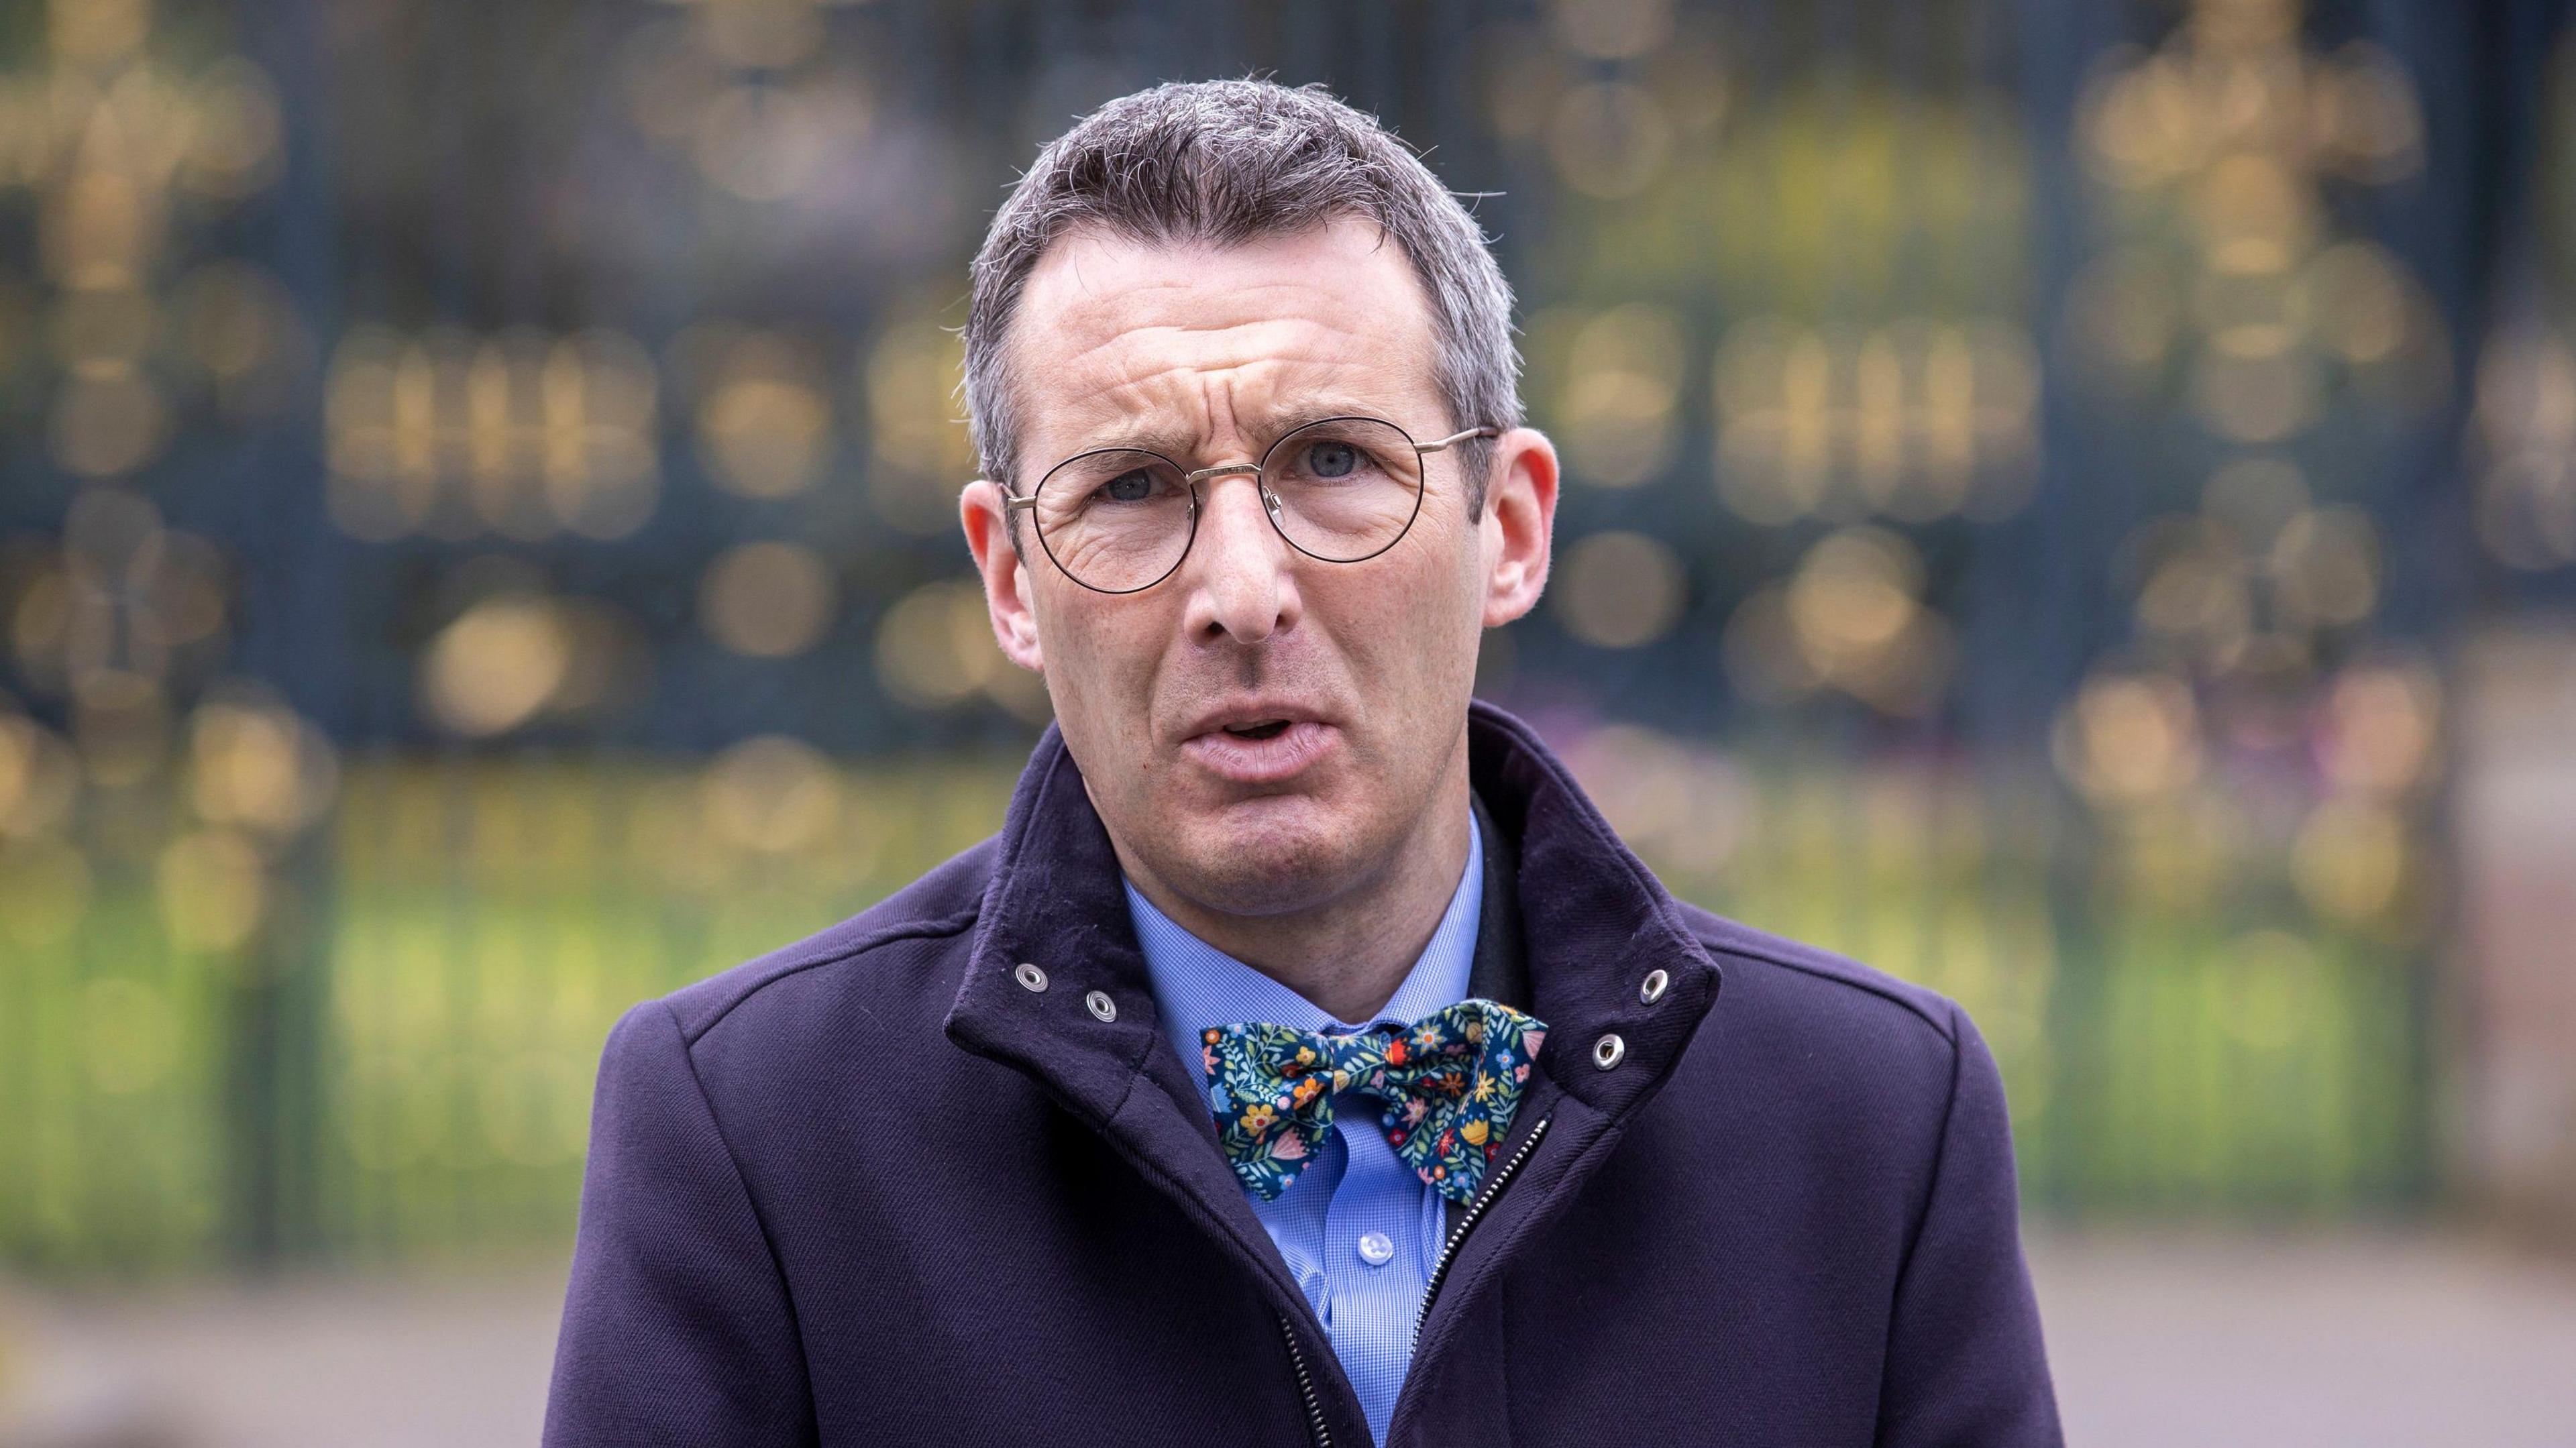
1228 162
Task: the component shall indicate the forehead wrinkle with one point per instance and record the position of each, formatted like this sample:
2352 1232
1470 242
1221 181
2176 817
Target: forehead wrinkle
1182 309
1257 336
1167 360
1259 396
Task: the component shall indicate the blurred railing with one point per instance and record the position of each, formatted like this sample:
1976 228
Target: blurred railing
2031 474
476 927
480 924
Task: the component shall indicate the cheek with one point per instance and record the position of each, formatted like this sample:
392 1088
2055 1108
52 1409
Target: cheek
1411 635
1099 662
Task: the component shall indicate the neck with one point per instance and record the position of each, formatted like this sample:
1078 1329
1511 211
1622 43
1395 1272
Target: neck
1349 953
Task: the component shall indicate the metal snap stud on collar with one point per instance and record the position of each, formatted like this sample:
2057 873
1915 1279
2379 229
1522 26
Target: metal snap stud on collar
1607 1051
1029 976
1656 983
1101 1005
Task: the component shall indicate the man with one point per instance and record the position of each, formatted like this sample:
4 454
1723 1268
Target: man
1306 1062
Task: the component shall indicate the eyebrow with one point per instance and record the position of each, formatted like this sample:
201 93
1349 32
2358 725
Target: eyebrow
1178 443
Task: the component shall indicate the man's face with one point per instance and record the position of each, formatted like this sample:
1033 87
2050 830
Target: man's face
1261 731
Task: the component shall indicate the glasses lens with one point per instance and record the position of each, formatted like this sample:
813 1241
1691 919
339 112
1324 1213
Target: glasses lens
1347 487
1114 520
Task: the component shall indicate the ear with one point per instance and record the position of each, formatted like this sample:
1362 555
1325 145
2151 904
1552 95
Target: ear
1520 518
1006 574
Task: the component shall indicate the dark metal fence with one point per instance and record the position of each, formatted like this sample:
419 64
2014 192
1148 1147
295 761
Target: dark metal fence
480 488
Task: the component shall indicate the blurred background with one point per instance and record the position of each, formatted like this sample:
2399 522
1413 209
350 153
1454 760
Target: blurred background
2074 504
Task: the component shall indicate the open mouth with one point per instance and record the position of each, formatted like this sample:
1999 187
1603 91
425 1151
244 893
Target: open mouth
1249 749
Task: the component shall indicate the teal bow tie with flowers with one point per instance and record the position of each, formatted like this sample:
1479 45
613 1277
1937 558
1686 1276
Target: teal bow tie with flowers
1451 1082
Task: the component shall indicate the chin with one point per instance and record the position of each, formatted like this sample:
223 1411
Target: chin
1264 856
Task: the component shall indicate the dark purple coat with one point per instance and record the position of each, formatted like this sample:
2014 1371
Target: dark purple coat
871 1189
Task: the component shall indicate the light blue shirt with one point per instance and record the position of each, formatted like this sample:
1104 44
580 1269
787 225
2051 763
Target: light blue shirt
1358 1229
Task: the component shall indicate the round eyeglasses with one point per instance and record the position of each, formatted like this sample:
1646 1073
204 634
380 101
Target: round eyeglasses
1342 489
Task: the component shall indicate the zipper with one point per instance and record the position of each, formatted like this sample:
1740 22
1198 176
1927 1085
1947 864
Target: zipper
1315 1426
1475 1210
1305 1386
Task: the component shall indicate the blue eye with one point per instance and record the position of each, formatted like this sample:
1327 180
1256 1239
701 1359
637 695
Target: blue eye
1332 459
1129 487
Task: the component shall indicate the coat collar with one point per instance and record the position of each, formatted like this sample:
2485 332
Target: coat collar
1593 923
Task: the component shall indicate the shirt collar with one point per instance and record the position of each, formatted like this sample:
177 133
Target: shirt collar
1051 926
1196 985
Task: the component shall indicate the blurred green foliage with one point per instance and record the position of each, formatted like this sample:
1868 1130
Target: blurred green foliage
481 925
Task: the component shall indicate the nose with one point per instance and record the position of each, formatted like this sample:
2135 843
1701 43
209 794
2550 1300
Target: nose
1240 570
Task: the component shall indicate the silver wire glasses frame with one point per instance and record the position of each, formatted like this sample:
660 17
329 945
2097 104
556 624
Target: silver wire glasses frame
1116 508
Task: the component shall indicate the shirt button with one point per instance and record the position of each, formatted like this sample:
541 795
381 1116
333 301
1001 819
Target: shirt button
1376 1248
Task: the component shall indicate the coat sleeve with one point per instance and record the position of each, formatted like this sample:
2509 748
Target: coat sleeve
677 1327
1965 1364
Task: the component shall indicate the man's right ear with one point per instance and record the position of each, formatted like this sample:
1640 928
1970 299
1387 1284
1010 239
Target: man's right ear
981 511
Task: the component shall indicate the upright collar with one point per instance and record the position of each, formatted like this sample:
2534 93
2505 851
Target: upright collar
1594 923
1197 986
1501 971
1056 987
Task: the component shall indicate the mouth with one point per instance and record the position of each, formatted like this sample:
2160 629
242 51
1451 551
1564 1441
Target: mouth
1258 744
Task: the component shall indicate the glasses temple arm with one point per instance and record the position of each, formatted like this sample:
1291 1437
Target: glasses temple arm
1455 438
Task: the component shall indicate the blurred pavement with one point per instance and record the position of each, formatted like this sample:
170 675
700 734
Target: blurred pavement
2158 1340
2349 1341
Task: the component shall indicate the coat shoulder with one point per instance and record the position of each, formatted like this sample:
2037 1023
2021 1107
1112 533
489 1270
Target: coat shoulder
1852 1062
1820 984
943 903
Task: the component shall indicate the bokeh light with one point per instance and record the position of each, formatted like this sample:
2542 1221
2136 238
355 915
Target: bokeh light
521 434
213 889
1612 29
1914 421
255 763
920 455
1609 139
769 600
515 659
1850 618
764 425
2246 306
478 546
935 646
1620 590
744 89
2129 739
39 777
498 664
1616 416
772 794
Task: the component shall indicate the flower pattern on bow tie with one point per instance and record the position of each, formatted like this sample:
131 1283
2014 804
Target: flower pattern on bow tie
1451 1082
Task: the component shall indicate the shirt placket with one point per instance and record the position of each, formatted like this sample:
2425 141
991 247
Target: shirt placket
1374 1258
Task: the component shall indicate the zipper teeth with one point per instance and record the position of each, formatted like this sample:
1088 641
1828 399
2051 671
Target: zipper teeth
1475 1210
1306 1386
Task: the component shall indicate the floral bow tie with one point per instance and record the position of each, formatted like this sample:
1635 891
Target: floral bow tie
1451 1082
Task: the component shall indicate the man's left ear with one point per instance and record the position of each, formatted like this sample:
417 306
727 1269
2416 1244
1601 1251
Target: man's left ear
1520 517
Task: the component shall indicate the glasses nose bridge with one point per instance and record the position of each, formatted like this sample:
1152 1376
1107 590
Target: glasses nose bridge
1222 470
1260 485
1200 505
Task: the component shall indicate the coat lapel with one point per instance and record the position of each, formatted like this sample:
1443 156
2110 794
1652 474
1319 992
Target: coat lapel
1593 922
1055 902
1572 925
